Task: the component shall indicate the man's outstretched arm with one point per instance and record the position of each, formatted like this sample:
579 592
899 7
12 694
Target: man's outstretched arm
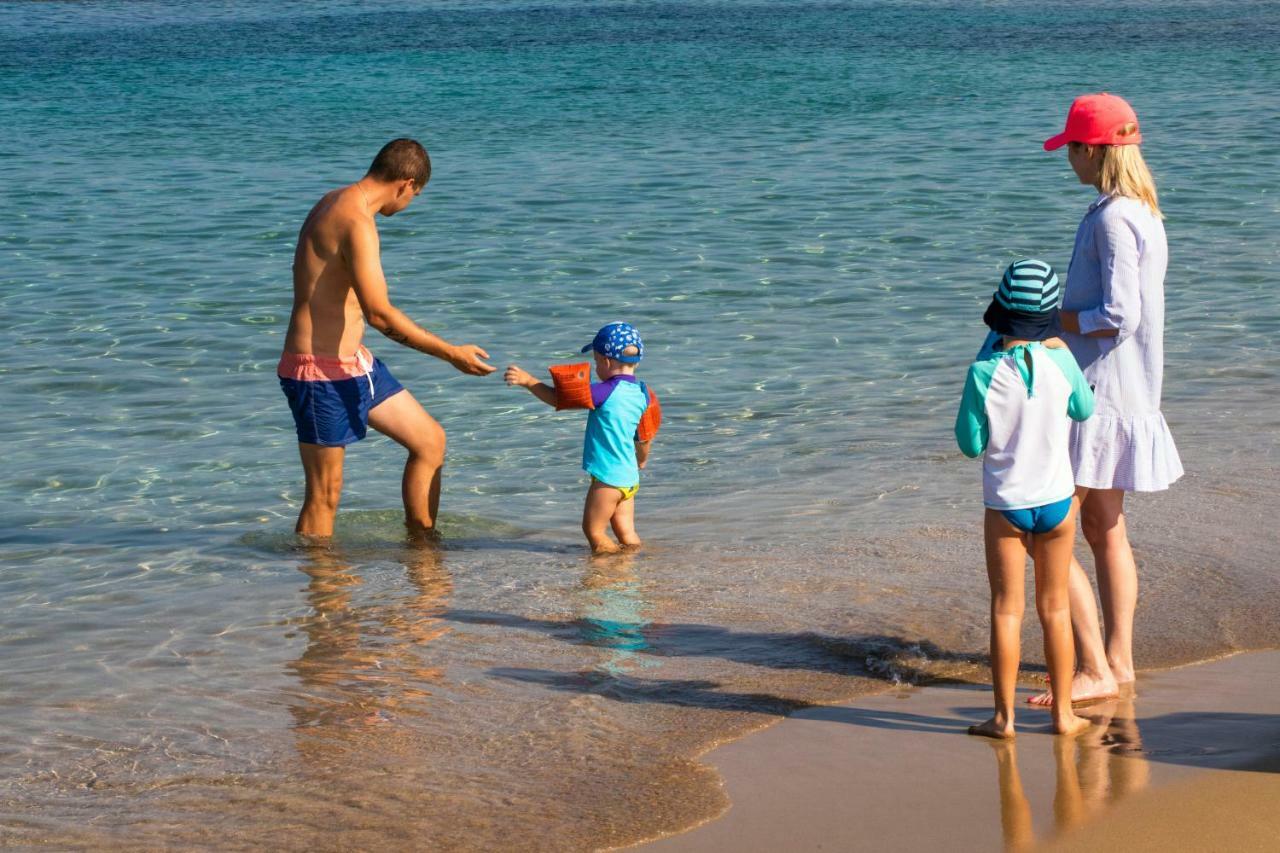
371 289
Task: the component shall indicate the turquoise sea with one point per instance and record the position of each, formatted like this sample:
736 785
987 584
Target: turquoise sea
804 207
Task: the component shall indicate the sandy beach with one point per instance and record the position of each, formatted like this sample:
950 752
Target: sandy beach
1191 763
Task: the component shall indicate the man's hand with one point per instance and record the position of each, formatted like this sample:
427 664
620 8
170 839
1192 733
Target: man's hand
516 375
468 359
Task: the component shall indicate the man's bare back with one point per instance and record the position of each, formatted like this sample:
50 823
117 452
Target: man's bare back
326 318
336 389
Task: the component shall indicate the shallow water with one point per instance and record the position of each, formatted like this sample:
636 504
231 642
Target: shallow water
804 209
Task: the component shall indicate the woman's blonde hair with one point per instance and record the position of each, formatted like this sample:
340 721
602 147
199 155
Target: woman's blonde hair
1123 172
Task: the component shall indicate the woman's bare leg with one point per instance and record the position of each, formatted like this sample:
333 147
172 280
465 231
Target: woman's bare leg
1102 518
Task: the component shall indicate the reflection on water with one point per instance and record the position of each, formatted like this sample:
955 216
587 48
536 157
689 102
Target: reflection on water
1092 772
614 613
365 665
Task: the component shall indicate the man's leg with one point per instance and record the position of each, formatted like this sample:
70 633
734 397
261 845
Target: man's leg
402 418
323 469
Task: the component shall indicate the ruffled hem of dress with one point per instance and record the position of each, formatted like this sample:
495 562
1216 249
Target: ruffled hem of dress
1134 454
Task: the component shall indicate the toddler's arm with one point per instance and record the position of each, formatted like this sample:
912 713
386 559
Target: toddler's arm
515 375
642 452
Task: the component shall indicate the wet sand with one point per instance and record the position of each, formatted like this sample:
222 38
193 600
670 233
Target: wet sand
1191 763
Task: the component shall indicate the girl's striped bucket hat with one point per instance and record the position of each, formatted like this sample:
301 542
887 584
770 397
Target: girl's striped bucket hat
1025 305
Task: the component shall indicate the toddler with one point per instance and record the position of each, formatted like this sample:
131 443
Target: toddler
624 417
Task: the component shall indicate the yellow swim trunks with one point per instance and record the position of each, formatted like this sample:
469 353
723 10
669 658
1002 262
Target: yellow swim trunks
628 492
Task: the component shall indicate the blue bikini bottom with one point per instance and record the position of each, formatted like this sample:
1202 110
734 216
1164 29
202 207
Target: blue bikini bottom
1039 519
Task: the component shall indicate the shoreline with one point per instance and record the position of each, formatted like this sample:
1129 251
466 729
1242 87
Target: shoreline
860 774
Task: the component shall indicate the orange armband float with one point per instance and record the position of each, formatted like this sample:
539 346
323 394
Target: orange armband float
651 420
573 386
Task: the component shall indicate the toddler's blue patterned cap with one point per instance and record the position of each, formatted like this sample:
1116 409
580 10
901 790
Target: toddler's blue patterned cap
613 339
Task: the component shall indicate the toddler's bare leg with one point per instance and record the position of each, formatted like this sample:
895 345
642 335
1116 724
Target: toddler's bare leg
1006 566
602 502
1052 552
624 524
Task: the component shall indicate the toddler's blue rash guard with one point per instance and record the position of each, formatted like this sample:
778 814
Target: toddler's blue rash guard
609 449
1016 411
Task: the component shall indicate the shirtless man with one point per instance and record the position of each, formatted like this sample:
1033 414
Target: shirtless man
335 387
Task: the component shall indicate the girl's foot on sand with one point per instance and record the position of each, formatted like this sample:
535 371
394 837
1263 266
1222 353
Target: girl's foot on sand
1085 689
993 728
1072 726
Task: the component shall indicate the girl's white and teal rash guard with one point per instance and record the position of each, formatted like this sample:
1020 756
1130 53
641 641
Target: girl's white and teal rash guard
1018 407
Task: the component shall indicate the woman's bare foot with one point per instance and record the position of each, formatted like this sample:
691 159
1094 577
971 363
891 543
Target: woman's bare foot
1071 725
1085 688
995 727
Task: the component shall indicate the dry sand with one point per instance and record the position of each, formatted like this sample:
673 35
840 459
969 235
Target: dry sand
1193 763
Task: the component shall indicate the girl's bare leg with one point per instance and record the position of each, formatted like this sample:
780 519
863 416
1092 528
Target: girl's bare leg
1052 553
1006 568
602 502
1093 679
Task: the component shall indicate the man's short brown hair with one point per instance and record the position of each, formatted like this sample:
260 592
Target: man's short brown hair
400 159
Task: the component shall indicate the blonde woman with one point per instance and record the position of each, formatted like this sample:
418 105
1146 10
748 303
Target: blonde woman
1113 320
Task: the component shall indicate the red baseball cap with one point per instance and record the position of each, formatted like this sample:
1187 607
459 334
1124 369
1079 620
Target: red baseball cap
1098 119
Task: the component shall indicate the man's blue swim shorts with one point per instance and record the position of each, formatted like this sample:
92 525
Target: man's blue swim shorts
331 397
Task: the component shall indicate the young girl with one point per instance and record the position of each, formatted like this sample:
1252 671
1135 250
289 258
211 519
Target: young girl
624 418
1018 404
